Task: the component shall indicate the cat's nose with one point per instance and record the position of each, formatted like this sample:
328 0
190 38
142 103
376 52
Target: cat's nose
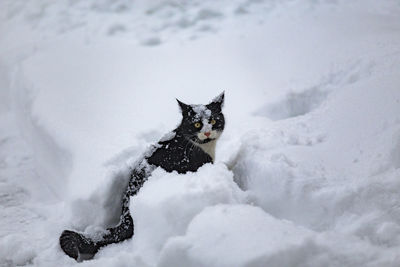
207 134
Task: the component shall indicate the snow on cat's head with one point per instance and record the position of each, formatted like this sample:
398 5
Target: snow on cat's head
202 123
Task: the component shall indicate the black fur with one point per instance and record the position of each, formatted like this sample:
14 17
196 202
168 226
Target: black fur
180 153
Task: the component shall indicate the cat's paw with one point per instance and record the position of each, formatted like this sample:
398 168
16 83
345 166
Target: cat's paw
77 246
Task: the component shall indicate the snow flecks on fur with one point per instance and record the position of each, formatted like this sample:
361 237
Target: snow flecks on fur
201 111
206 125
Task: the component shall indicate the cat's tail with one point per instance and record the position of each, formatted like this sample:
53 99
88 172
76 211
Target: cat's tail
81 247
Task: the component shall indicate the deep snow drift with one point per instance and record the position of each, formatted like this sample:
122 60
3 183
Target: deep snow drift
307 170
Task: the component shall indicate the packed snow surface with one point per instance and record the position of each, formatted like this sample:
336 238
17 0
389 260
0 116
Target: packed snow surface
307 171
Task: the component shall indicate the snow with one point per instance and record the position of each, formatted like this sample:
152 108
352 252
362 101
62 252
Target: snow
168 136
306 171
232 225
201 111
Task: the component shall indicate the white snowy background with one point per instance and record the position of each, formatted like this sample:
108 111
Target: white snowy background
307 171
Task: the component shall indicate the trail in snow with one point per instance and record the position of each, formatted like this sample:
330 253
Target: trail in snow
17 179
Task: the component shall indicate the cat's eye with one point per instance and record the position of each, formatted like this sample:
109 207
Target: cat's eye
213 122
197 125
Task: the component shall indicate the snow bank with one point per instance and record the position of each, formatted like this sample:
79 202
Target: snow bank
160 214
327 167
240 235
229 235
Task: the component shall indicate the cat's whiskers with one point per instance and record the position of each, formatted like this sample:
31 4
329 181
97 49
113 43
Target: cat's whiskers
192 143
188 141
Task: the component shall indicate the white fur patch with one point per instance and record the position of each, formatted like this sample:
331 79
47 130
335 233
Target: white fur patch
209 148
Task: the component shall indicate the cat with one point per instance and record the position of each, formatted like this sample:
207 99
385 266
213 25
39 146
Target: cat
185 149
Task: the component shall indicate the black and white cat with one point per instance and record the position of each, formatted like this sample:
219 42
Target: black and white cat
185 149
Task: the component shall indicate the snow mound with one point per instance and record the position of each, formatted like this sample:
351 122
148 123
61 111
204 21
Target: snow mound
235 235
160 214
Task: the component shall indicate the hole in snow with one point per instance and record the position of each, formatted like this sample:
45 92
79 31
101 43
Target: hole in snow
294 104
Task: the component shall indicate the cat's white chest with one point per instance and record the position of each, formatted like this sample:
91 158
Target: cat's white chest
209 148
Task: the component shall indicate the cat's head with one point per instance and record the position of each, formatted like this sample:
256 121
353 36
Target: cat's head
202 123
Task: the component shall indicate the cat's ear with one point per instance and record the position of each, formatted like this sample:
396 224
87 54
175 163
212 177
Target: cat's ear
184 108
218 102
